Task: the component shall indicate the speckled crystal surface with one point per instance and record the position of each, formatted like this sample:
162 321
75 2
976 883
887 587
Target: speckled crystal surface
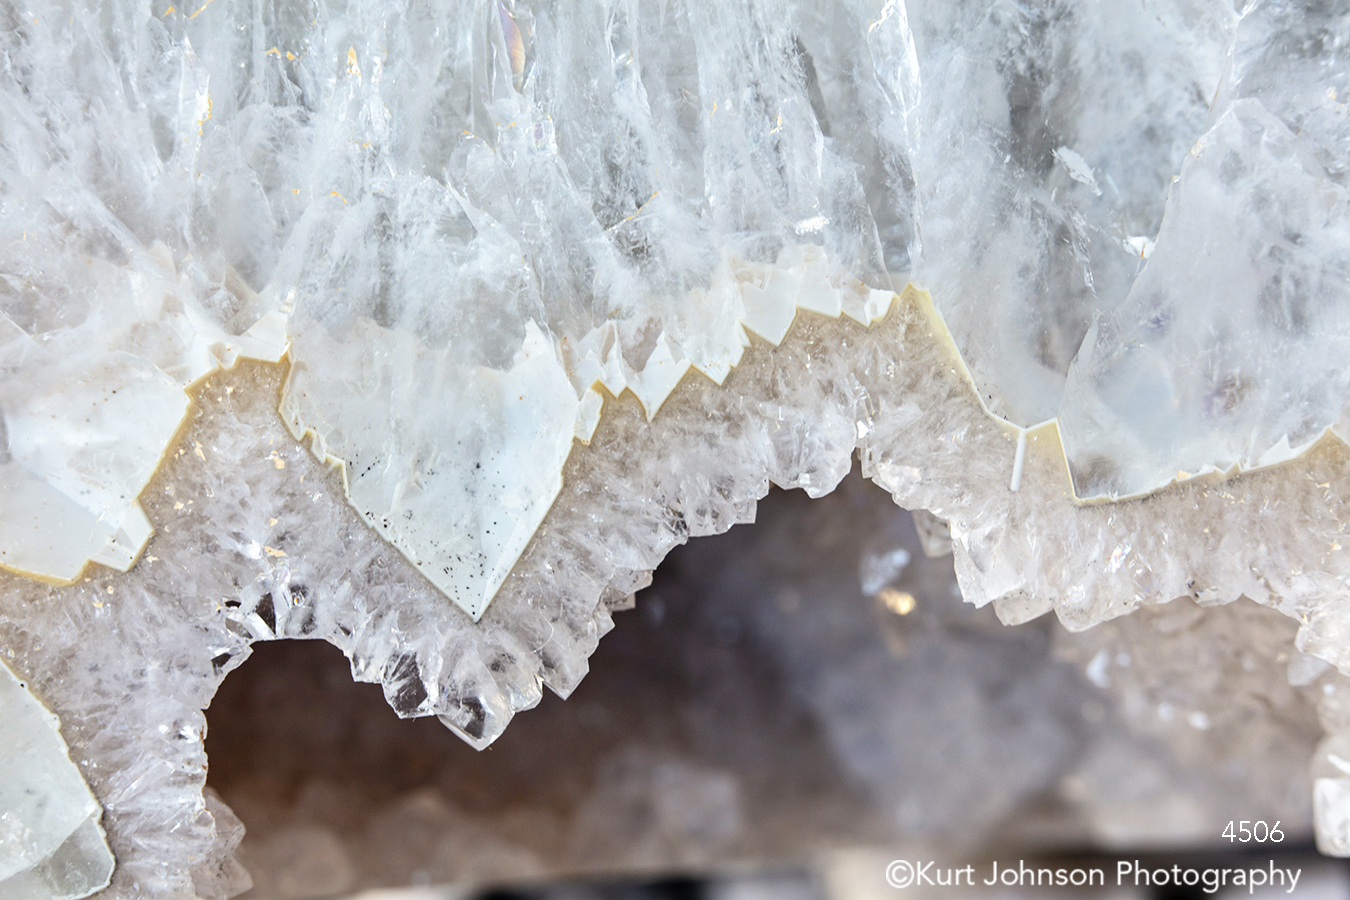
558 287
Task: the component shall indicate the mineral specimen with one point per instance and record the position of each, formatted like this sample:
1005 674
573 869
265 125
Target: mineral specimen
562 286
768 703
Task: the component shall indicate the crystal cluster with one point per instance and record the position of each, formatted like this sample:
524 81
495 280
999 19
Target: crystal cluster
467 218
790 691
560 287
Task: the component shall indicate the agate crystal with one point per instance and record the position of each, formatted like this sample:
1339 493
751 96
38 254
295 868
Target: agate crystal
429 329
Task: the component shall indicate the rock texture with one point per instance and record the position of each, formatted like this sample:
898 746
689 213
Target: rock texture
558 288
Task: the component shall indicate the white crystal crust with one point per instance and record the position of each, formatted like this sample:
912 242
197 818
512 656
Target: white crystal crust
629 191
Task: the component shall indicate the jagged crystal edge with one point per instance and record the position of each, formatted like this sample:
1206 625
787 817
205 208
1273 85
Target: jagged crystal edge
456 466
326 136
90 413
289 558
410 488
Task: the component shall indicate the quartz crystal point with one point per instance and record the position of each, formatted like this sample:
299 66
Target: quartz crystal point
460 468
51 844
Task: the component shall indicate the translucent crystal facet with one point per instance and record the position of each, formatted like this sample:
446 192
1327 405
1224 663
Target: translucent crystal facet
1125 219
51 844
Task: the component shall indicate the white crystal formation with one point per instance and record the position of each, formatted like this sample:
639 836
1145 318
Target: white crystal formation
249 550
1128 215
1229 349
811 715
404 415
116 293
51 844
486 230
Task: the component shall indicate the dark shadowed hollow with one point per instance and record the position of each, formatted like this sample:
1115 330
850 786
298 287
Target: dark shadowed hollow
782 696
